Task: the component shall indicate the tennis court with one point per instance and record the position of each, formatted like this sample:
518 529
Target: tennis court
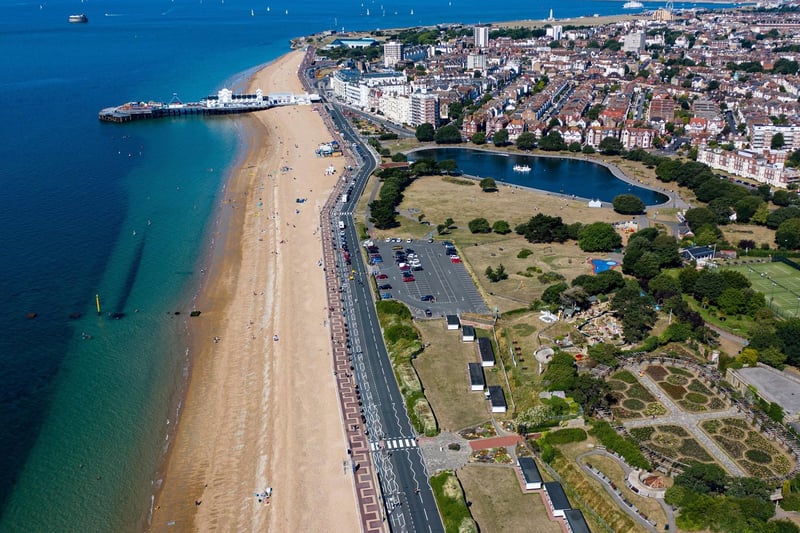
778 282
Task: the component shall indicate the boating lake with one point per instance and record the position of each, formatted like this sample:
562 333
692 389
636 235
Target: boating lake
573 177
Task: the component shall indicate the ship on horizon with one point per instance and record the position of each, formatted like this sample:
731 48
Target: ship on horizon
632 4
78 19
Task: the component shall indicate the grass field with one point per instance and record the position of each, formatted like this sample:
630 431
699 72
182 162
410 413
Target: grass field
779 283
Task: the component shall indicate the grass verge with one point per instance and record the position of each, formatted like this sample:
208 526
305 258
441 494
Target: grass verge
452 505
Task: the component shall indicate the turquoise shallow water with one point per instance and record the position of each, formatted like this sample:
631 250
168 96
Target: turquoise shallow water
83 422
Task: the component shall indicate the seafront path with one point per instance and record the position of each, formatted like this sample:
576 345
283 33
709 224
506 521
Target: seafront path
366 486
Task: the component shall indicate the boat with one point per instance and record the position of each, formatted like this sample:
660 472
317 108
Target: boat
522 168
632 4
78 19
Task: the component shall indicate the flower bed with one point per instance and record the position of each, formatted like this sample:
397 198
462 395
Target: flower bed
620 412
674 430
617 385
624 375
655 409
732 432
658 373
666 440
680 371
642 434
696 397
677 379
632 404
712 426
692 449
717 403
697 386
735 448
691 406
755 470
757 456
676 392
638 391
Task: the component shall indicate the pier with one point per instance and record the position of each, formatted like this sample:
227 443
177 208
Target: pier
225 102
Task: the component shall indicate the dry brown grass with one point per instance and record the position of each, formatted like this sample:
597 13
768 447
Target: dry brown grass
737 232
498 503
442 367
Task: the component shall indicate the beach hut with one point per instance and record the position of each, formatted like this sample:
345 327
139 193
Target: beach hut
556 498
486 351
530 473
468 334
477 381
497 399
576 523
452 321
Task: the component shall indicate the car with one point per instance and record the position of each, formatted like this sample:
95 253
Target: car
430 241
406 279
381 276
409 240
409 251
417 268
455 259
386 296
427 298
428 312
388 239
404 267
385 287
397 247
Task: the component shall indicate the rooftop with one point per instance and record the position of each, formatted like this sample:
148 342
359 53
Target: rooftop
774 386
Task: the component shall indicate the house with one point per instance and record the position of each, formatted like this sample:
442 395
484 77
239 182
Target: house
701 254
477 381
530 473
556 498
486 351
468 334
576 523
452 322
497 399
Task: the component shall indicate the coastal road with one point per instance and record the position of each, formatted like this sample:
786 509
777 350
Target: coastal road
408 499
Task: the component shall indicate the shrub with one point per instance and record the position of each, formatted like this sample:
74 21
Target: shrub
396 332
565 436
524 253
624 446
757 456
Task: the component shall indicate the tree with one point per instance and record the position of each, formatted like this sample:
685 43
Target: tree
703 478
604 353
746 207
424 132
628 204
610 146
732 301
447 166
399 157
788 331
787 236
647 266
479 225
552 142
784 198
574 147
478 137
543 228
587 149
777 141
598 237
498 274
447 135
552 294
526 141
501 227
500 138
488 185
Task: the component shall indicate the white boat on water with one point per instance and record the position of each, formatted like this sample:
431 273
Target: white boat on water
632 4
522 168
78 19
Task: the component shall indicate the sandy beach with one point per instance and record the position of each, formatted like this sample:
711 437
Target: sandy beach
258 411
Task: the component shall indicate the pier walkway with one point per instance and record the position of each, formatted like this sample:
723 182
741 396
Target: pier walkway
225 102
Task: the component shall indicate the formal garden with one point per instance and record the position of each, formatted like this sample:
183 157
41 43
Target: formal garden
633 399
750 449
685 388
671 441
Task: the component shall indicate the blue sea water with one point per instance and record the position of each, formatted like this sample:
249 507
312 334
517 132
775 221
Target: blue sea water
124 211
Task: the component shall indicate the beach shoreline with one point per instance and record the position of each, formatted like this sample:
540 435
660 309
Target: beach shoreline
261 345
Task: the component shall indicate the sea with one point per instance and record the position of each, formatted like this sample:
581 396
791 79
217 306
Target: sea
124 214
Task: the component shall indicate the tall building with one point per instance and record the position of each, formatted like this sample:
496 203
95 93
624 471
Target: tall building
424 109
481 34
634 42
476 62
392 53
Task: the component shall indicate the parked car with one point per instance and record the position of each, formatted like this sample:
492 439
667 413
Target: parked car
455 259
427 298
428 312
408 278
381 276
385 287
417 268
386 296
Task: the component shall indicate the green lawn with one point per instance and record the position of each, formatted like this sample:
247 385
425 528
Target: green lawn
778 282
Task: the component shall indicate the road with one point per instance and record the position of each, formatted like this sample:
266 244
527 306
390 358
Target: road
407 496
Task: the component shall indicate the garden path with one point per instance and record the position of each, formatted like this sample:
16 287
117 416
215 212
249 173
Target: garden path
690 421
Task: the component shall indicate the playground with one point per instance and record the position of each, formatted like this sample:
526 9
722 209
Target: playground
778 282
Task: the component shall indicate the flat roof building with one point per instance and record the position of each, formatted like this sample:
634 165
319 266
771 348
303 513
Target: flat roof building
497 399
452 321
576 523
530 473
556 498
486 351
468 334
477 381
770 384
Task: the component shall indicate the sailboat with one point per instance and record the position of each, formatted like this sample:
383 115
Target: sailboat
267 9
412 11
367 11
252 13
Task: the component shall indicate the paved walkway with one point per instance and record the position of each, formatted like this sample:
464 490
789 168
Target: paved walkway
678 416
